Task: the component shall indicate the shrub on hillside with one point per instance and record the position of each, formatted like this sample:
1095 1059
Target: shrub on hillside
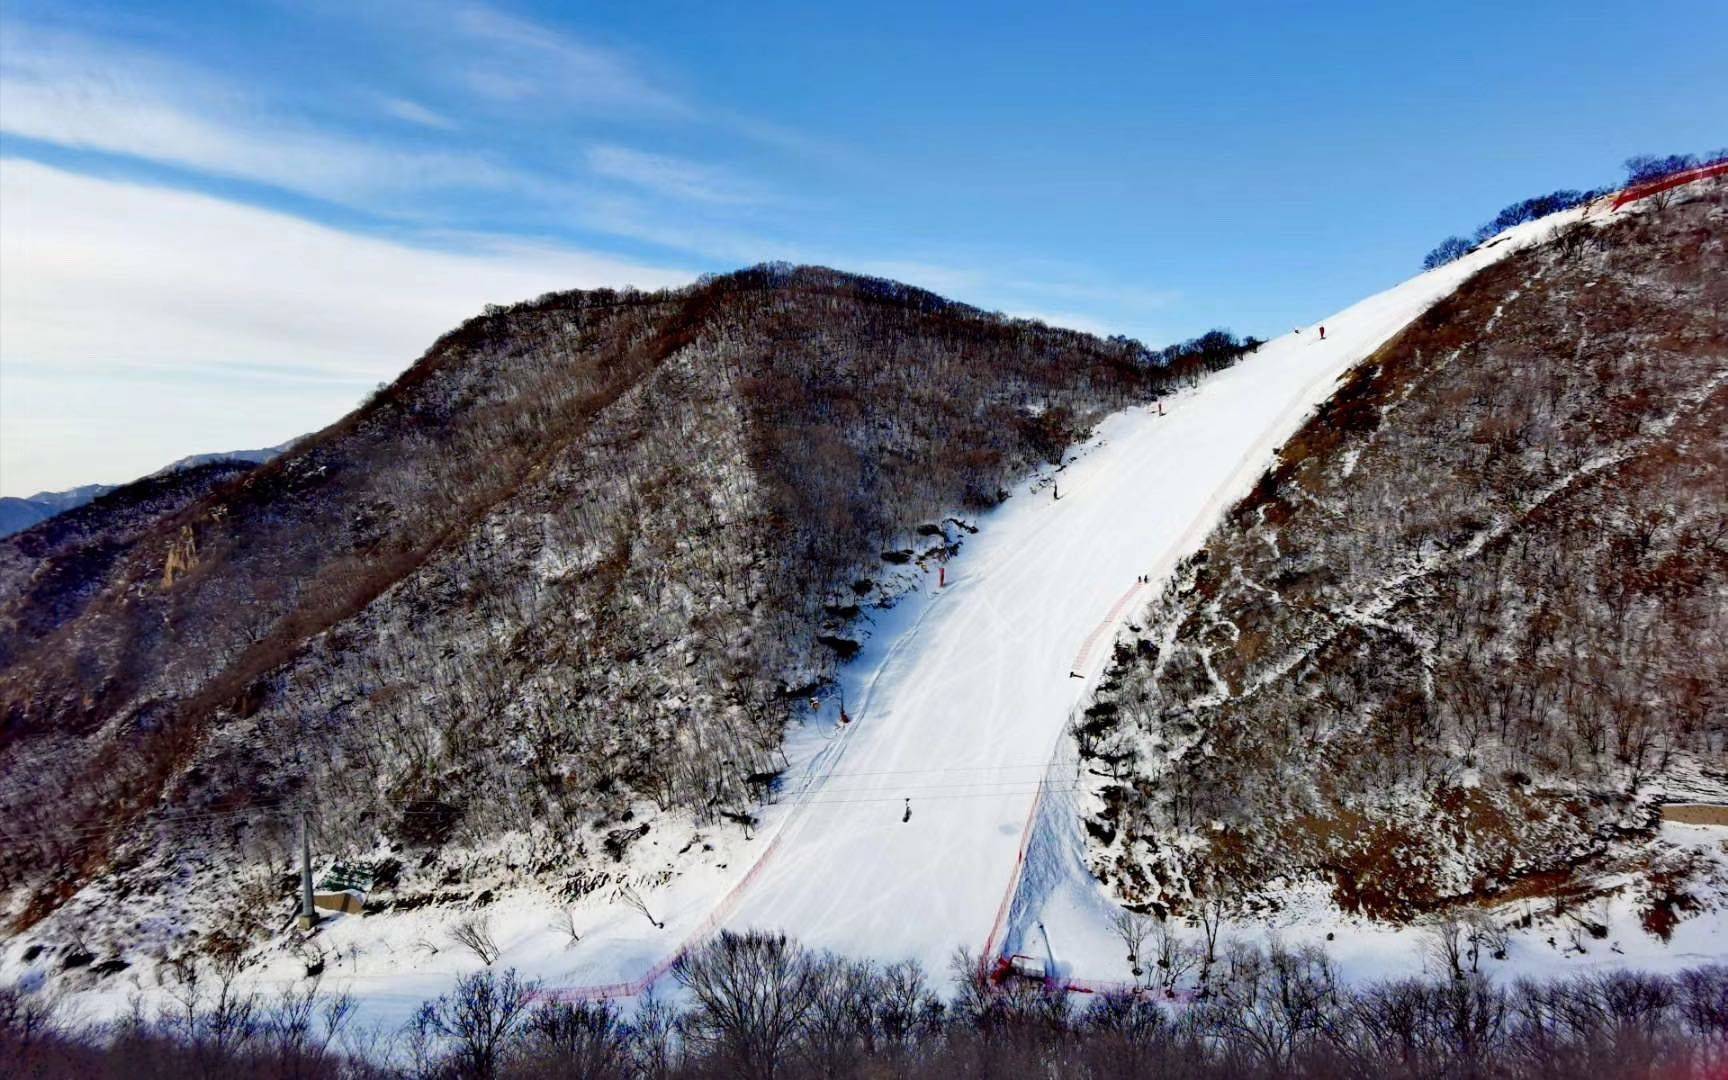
1643 168
1448 250
1531 209
1640 169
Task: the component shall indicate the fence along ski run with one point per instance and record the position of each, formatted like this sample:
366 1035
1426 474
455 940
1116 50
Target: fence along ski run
1672 180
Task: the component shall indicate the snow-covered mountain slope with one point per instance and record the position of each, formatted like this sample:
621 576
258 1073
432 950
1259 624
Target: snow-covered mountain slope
957 703
548 600
1456 647
962 716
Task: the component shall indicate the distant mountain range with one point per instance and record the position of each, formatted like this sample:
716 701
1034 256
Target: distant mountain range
16 514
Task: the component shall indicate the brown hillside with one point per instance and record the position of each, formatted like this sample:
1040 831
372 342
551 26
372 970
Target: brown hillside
583 555
1473 623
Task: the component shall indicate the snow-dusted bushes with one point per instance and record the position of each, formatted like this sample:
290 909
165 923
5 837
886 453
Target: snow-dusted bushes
1470 623
1534 208
764 1007
1540 206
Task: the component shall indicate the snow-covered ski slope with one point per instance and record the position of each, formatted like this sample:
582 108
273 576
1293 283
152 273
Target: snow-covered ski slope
961 716
959 701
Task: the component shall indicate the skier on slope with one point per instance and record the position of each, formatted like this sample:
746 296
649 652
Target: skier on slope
1322 333
907 816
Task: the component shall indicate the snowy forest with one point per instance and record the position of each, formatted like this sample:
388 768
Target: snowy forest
575 570
1468 630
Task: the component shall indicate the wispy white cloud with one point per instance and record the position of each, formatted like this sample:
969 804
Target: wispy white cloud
77 92
512 59
1078 284
156 300
84 94
722 242
1055 292
415 113
110 287
1061 294
1086 324
954 282
673 177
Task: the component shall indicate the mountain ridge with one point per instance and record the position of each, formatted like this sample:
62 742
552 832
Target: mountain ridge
20 513
715 471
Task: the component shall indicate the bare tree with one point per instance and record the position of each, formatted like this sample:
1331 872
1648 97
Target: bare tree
303 1024
1483 932
751 993
479 1018
1210 904
1133 928
1445 942
474 933
634 899
654 1026
580 1038
1270 1012
26 1021
1273 1005
1175 958
565 924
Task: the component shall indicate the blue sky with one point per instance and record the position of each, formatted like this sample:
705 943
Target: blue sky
222 223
